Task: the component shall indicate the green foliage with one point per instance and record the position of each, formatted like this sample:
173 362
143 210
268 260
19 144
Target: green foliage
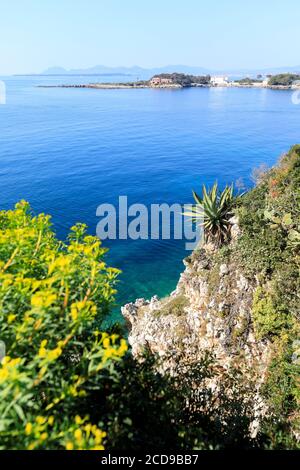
270 218
213 210
283 79
184 79
268 252
66 385
278 222
259 248
52 298
267 317
281 392
178 412
248 81
294 240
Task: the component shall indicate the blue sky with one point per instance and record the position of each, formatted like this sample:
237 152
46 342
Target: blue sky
37 34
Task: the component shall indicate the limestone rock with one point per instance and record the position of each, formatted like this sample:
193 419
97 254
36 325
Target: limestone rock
210 310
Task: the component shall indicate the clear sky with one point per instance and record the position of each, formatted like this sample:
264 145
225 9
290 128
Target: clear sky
37 34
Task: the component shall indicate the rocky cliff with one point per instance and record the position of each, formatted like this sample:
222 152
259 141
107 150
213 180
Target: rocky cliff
210 310
241 301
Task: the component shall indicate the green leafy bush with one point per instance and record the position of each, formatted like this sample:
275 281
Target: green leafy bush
283 79
248 81
268 253
179 412
65 383
53 297
281 392
268 318
270 218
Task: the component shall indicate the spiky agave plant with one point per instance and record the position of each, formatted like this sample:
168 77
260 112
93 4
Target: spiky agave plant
213 211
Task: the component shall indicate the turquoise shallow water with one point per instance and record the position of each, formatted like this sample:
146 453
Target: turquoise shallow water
69 150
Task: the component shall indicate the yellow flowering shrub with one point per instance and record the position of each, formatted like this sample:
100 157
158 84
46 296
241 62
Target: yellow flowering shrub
53 299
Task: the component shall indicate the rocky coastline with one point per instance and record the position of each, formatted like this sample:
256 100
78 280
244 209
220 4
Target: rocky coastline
179 80
210 310
237 302
134 86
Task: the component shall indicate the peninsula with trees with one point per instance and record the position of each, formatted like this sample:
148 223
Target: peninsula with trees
180 80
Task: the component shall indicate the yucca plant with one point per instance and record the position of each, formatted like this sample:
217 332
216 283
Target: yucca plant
213 211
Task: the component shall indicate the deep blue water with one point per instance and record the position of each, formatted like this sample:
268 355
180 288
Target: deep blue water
68 150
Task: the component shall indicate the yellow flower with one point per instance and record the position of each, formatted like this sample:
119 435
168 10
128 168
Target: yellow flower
69 445
50 355
28 429
54 354
98 436
11 317
14 362
108 353
78 435
36 284
76 307
78 420
83 309
74 313
6 283
43 299
88 428
40 420
3 374
9 368
5 360
62 264
51 420
106 342
42 352
123 348
37 301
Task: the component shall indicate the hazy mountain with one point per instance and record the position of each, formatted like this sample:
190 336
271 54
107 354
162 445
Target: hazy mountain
135 70
270 70
55 71
288 69
140 72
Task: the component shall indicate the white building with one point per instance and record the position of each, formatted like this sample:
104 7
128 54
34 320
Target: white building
219 80
266 81
296 85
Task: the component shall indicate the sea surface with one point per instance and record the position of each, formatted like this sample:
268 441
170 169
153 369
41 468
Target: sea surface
67 151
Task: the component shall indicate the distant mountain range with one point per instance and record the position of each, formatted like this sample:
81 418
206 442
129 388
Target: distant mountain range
140 72
130 71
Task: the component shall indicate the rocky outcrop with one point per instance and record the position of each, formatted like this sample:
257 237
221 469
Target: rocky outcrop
210 310
239 302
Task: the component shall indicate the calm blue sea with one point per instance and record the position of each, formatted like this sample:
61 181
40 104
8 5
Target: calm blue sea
68 150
